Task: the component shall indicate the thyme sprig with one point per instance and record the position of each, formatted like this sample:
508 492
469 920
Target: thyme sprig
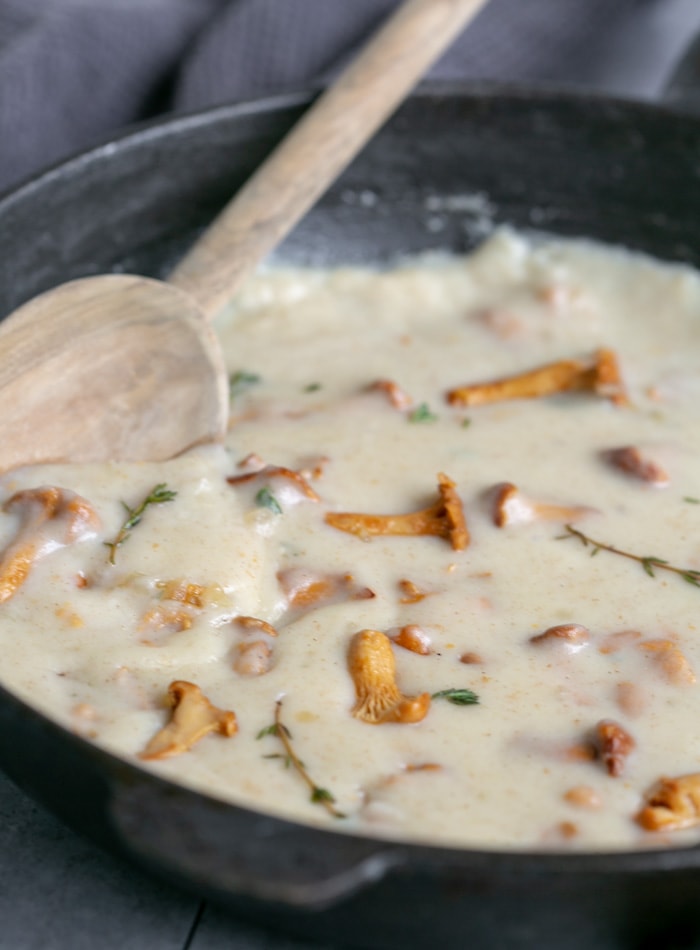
240 381
422 413
649 563
460 697
319 795
157 496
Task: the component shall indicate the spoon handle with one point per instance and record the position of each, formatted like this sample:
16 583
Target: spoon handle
319 147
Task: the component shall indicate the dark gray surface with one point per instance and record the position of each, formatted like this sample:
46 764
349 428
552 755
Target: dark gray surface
217 930
58 892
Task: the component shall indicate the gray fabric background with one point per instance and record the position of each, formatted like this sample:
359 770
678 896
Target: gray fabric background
74 71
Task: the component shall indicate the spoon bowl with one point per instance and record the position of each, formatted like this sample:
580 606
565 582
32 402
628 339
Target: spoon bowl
124 368
109 367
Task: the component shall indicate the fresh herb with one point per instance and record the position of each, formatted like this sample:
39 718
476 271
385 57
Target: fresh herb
273 731
319 795
278 755
692 501
158 495
312 388
650 564
460 697
241 381
265 499
466 422
422 413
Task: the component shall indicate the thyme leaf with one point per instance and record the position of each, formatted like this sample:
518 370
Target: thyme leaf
157 496
241 381
422 413
273 730
278 755
318 794
460 697
650 563
321 795
265 499
312 388
691 500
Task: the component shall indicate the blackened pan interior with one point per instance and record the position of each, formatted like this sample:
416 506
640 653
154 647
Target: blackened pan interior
451 164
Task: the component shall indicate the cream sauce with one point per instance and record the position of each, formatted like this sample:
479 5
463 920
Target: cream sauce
96 645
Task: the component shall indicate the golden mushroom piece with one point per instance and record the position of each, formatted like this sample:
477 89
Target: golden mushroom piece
511 507
673 804
373 670
50 519
599 374
193 717
631 461
444 519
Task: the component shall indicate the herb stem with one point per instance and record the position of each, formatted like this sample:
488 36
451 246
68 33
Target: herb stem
157 496
649 563
320 796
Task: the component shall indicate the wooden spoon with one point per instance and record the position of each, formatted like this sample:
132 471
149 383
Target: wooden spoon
121 367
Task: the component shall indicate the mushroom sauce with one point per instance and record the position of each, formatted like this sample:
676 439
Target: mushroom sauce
442 582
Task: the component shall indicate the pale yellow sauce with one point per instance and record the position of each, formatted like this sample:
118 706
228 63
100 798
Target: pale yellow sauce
89 656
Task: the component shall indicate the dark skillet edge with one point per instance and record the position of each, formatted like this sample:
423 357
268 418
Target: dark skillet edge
51 254
277 871
137 133
331 886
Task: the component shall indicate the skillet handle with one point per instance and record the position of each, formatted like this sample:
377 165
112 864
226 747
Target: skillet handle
232 852
683 89
321 145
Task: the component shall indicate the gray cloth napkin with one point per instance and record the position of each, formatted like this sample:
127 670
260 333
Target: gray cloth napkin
72 72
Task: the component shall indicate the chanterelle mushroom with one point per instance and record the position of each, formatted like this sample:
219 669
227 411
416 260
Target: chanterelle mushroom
444 519
193 717
614 745
599 374
292 483
629 460
511 506
373 670
305 589
398 398
50 518
673 804
573 636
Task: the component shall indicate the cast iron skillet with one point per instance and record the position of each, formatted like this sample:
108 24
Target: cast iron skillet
616 171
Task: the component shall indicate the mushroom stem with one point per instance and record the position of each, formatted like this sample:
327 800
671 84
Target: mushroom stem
373 670
599 374
443 519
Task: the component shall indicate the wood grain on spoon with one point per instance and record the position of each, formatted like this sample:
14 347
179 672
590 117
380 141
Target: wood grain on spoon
122 367
109 378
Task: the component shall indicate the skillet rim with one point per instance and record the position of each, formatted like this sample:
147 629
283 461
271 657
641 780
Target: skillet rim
136 133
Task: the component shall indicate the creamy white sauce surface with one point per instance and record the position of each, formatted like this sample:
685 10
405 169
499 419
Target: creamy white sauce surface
95 645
